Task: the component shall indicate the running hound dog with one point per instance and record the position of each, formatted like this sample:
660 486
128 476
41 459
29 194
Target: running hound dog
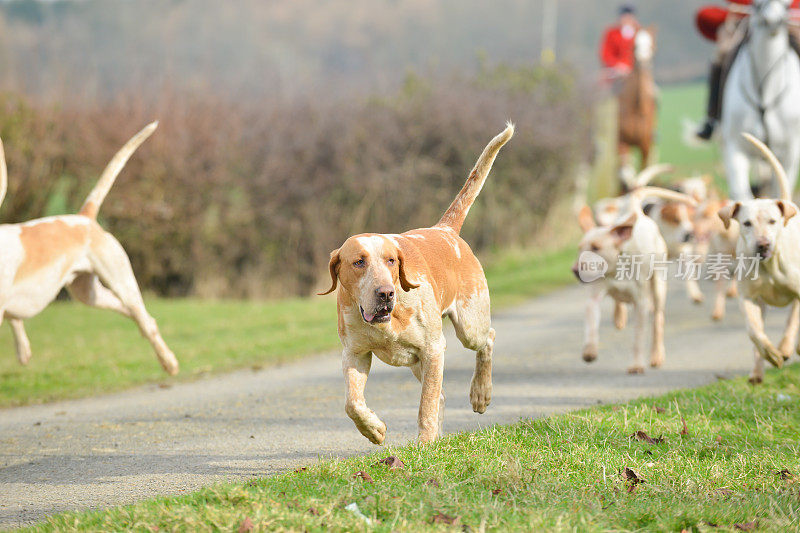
42 256
770 232
637 237
394 291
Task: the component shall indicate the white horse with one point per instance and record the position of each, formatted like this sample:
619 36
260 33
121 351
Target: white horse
762 97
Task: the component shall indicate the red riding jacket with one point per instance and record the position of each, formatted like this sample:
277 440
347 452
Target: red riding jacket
616 49
710 18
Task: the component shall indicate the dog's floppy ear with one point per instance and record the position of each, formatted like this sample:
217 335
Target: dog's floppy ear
623 231
788 210
404 282
728 212
333 266
586 219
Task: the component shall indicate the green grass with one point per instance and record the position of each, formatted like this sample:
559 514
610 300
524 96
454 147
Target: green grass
554 474
677 103
79 351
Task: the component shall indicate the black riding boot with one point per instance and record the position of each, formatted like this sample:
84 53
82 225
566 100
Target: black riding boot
714 97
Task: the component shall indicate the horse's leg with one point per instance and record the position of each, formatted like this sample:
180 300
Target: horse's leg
626 170
644 148
737 167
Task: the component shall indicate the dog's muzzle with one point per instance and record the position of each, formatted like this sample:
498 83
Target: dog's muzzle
382 310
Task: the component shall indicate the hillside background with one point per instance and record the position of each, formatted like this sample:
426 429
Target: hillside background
95 48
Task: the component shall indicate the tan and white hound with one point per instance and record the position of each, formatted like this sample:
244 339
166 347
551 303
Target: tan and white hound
769 231
394 291
636 237
42 256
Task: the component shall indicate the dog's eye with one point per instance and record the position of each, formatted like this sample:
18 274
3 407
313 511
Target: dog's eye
748 223
390 261
595 248
359 263
772 221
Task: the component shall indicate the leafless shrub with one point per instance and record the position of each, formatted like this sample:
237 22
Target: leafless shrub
247 198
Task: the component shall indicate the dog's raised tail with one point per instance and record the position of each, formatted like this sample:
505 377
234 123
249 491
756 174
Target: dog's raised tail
780 173
92 204
457 212
3 174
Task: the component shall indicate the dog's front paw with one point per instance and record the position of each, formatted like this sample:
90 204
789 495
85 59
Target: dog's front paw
718 314
657 358
589 353
772 355
698 298
375 431
755 379
480 395
635 369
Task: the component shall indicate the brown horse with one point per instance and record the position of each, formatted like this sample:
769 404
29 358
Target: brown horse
638 106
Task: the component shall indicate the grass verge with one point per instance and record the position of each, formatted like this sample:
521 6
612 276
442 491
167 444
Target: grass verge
80 351
729 460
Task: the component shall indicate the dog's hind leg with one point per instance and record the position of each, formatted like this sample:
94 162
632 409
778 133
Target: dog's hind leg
112 266
789 340
86 288
21 341
472 321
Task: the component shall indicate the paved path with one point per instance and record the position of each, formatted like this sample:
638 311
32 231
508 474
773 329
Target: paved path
125 447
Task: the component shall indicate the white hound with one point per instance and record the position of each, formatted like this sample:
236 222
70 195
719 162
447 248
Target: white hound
42 256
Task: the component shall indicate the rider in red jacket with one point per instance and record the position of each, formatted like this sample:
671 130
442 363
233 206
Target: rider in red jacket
727 27
616 49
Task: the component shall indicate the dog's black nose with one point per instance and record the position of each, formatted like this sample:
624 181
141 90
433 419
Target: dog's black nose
762 248
385 294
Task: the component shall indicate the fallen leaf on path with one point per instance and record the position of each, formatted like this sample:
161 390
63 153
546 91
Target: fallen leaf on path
644 437
659 410
497 491
246 525
363 476
392 462
748 526
164 386
440 518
